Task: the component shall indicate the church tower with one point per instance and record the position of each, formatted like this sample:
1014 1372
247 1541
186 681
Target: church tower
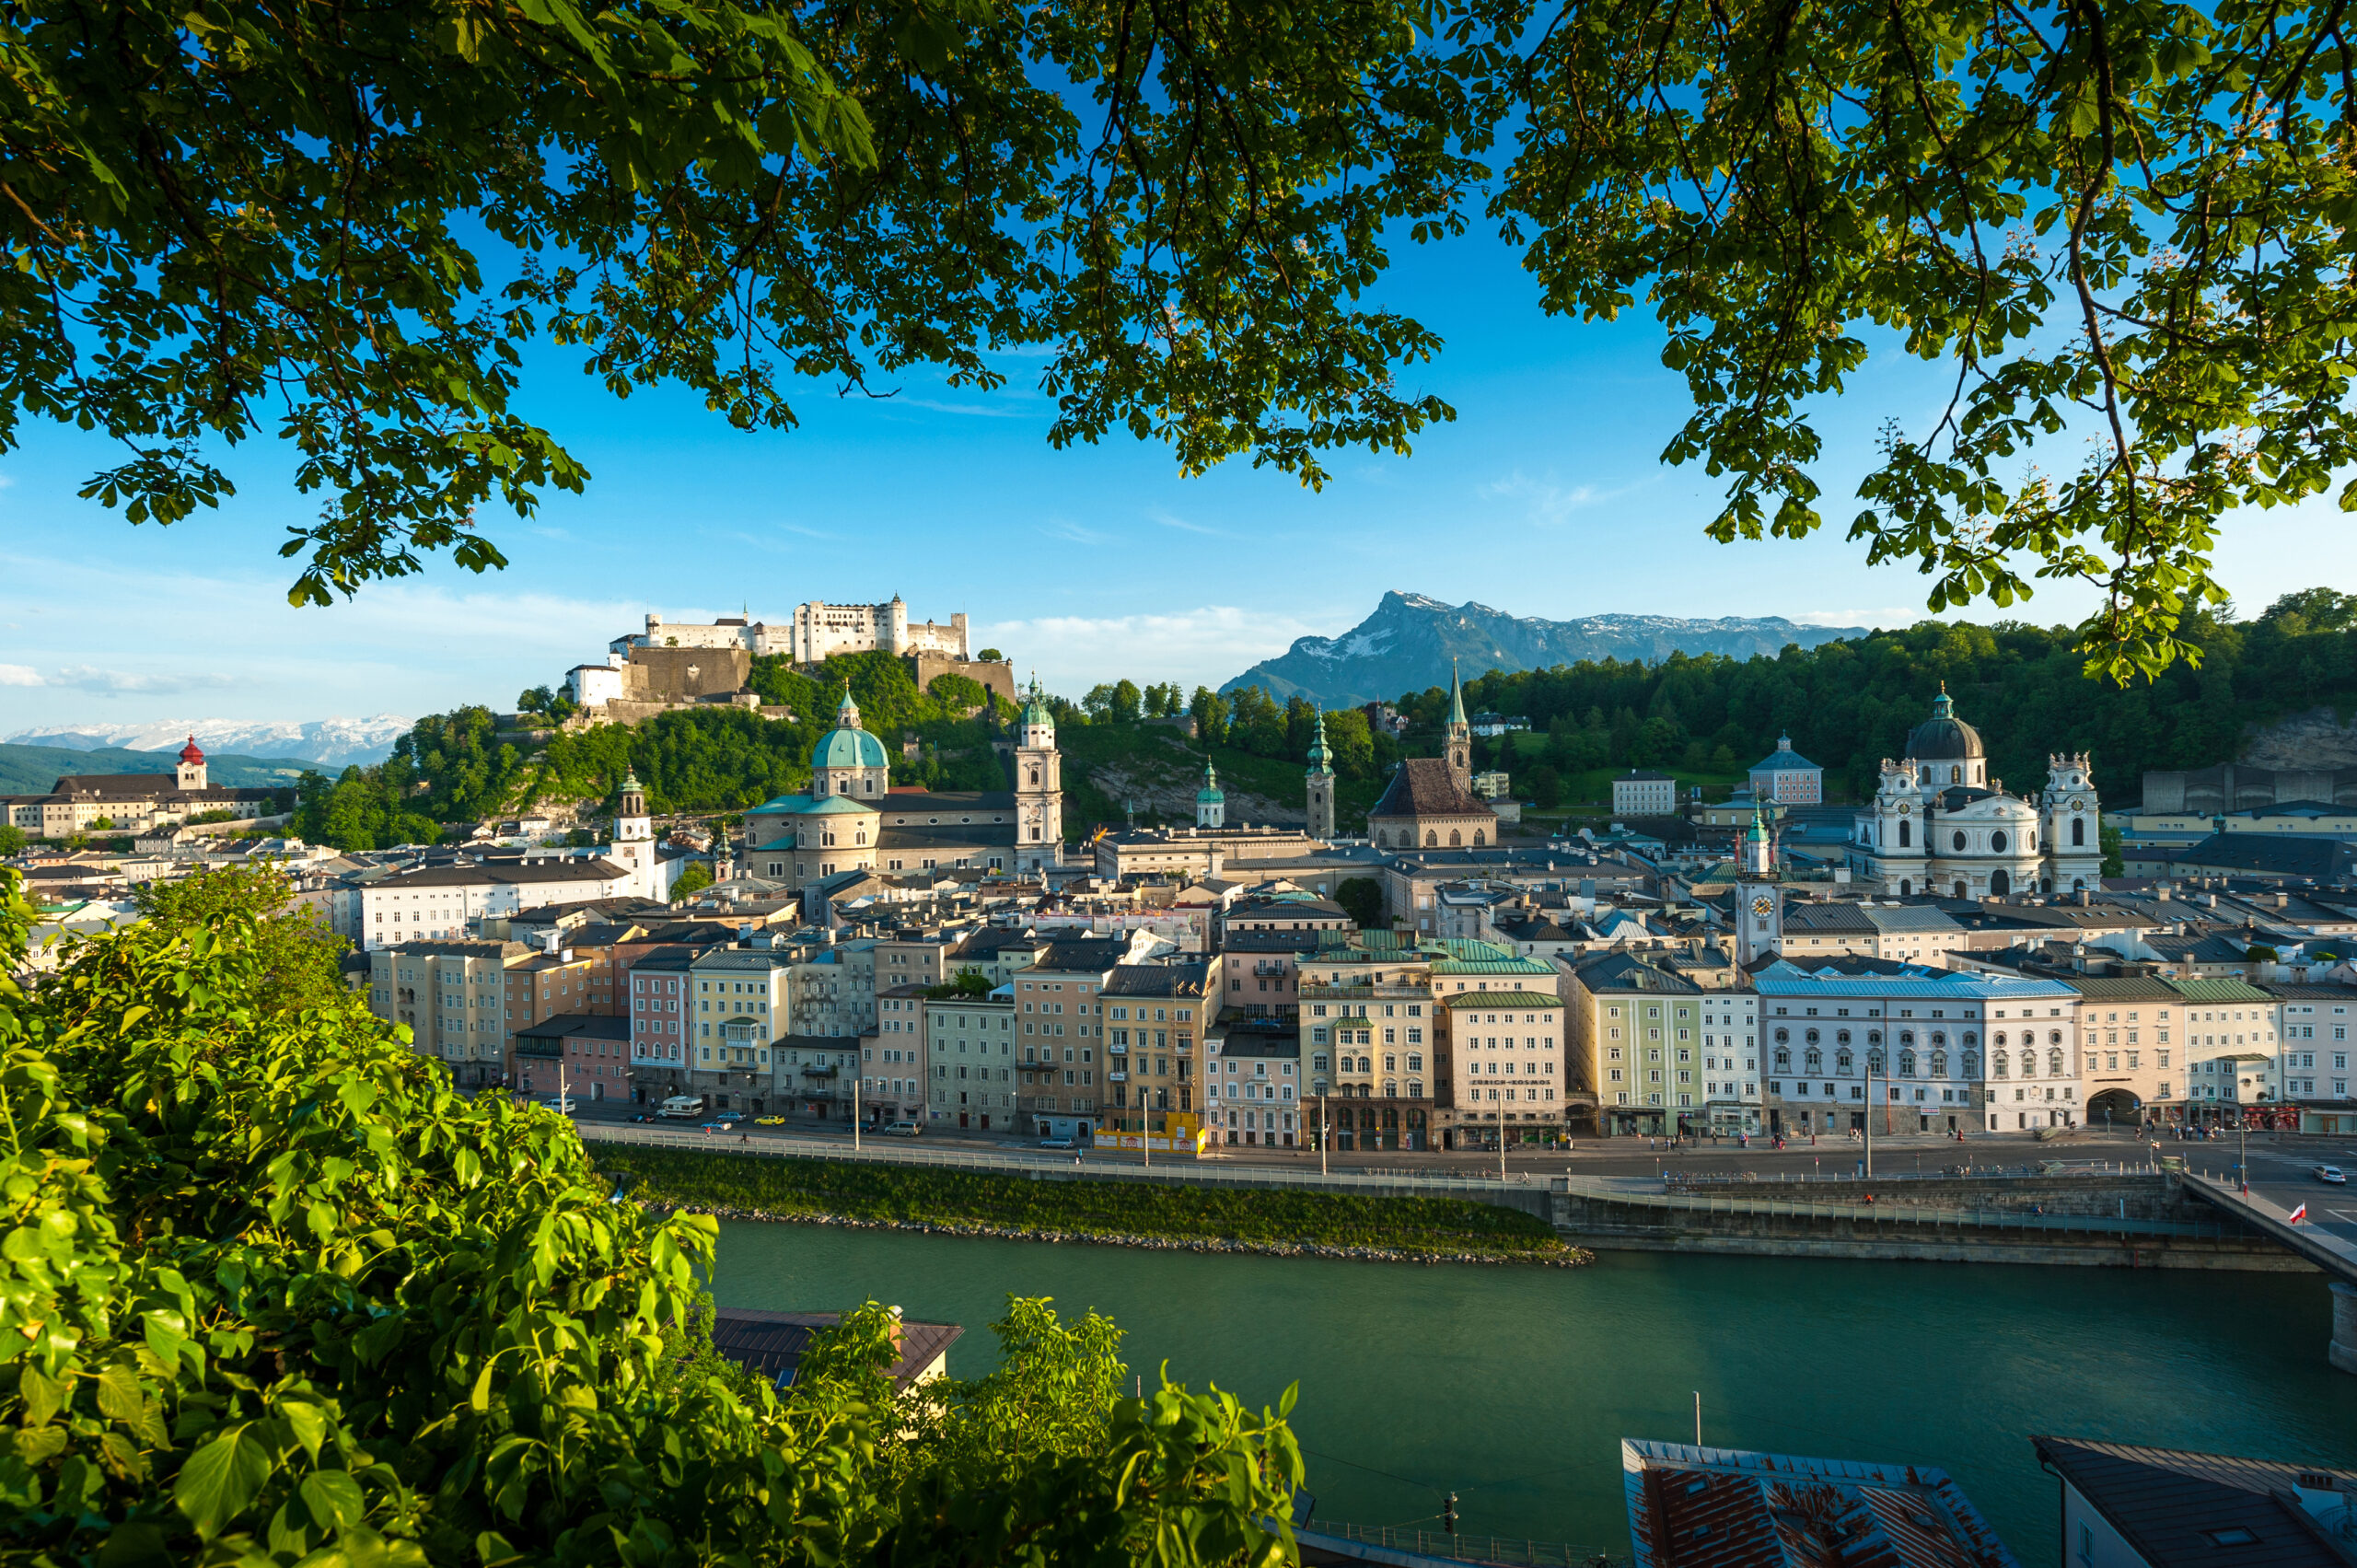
1319 783
1211 806
633 845
1456 741
191 768
1758 895
1039 787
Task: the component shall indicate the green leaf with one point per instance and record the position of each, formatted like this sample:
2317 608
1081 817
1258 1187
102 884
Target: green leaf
334 1498
219 1480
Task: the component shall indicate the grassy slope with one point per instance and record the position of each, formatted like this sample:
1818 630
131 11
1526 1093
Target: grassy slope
1091 1208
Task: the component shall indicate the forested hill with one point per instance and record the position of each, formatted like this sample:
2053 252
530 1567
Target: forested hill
1849 704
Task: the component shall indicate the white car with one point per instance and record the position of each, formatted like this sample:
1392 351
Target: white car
562 1107
2333 1174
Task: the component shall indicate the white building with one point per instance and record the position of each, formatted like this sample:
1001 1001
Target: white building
1731 1076
964 1062
1940 824
438 904
1641 792
816 632
1949 1051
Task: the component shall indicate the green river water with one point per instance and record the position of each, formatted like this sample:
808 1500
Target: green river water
1514 1386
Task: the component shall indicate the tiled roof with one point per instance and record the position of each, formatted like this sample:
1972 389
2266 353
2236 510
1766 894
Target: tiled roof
2174 1508
576 1026
1427 786
771 1343
2218 991
1158 979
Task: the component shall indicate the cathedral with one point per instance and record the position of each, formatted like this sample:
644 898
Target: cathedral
1430 803
1940 825
851 819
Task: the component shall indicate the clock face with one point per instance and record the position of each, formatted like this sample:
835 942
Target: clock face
1905 809
2077 805
1763 906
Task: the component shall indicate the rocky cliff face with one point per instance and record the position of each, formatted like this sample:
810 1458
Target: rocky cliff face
1407 643
2313 739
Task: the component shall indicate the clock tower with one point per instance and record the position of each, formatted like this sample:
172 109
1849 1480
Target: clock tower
1758 895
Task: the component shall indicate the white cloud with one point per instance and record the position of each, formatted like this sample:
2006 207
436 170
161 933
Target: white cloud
1195 647
19 675
126 682
1547 502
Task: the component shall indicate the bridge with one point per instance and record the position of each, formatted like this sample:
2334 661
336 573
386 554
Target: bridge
2326 1251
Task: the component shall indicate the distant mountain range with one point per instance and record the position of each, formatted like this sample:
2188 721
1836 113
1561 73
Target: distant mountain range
333 742
33 770
1408 643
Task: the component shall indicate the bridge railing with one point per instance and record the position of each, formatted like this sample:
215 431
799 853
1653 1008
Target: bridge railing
1459 1548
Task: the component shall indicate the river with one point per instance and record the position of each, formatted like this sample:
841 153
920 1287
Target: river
1514 1386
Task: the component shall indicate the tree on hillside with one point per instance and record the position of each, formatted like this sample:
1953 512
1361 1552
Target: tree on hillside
1362 899
694 879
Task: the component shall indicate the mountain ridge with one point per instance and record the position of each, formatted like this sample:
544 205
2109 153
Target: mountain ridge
330 742
1410 640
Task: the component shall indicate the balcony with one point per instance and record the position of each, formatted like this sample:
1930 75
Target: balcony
1269 970
817 1070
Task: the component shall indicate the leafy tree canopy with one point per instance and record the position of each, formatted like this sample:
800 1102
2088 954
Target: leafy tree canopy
274 1293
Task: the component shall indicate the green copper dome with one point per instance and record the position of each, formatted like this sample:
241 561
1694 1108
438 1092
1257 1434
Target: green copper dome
1209 795
847 745
1321 757
1034 709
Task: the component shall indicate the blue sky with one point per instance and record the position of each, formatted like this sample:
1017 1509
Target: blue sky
1544 498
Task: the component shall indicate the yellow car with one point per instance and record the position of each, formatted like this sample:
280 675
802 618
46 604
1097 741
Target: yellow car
769 1122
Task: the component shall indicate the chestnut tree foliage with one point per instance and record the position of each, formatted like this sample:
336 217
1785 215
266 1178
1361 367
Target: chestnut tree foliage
2116 228
271 1294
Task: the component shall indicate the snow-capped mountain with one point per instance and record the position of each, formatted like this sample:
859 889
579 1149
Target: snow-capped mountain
334 741
1408 643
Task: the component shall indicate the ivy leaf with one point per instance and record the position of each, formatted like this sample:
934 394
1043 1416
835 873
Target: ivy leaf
219 1480
334 1498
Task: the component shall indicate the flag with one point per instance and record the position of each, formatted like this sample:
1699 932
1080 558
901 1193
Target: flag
2298 1215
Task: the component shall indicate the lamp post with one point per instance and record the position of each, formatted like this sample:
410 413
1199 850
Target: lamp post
856 1069
1870 1115
1325 1132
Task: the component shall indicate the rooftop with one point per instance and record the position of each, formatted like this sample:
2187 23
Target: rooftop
2176 1509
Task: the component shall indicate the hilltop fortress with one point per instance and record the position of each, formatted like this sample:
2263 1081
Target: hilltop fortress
676 663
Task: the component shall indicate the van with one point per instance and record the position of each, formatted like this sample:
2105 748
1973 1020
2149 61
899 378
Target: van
901 1129
681 1106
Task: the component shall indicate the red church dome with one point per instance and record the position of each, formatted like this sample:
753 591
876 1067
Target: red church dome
190 753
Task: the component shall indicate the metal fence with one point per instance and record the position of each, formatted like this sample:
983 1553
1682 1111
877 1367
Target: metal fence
1457 1548
1181 1167
1893 1213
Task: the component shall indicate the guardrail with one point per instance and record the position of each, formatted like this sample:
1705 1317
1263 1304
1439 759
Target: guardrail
1455 1548
2046 1170
1181 1168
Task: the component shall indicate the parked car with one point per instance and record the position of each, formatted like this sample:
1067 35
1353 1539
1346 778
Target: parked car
902 1129
730 1116
562 1107
1055 1143
2331 1173
769 1122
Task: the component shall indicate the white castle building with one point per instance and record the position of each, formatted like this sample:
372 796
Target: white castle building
817 631
1939 824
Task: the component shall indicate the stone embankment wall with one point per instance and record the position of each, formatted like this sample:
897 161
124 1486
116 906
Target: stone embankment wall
2144 1222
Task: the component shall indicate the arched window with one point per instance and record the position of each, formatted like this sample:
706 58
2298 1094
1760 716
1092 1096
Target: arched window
1477 838
1972 1064
1956 776
1906 832
1454 841
1957 840
2078 832
1844 1061
1432 839
1939 1065
2000 884
1960 891
1034 778
2030 1064
1997 1062
1903 888
860 837
1390 1090
2054 1063
1814 1059
1906 1063
1783 1060
1996 843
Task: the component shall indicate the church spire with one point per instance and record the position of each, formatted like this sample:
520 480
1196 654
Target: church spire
1456 695
1321 757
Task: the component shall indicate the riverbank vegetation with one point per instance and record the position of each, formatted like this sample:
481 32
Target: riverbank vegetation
272 1292
791 1188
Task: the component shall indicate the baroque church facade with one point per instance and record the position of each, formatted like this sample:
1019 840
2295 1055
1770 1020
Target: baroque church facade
851 819
1940 825
1430 802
